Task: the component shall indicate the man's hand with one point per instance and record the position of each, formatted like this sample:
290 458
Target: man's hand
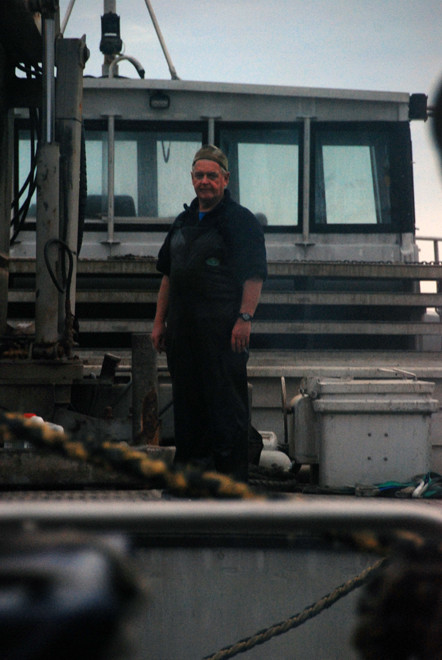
241 335
242 329
158 336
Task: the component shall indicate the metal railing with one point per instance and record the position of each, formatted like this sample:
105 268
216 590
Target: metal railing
435 240
233 517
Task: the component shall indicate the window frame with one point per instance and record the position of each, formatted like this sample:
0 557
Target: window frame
143 221
401 178
267 126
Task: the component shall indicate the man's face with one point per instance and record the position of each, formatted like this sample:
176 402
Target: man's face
209 182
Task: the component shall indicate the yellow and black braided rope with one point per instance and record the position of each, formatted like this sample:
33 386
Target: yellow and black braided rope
155 473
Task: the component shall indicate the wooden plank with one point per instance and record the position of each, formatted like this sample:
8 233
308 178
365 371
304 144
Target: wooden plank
378 270
268 298
135 266
346 328
115 325
147 266
282 327
104 296
353 298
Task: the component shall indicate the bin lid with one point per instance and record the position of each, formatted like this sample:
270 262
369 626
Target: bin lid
318 387
390 405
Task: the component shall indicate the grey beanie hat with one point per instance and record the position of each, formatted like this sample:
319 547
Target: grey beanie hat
210 152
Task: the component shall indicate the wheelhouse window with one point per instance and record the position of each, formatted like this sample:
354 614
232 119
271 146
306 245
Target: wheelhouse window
359 177
152 173
264 171
360 173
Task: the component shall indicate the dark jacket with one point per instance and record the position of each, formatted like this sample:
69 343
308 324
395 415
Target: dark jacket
240 230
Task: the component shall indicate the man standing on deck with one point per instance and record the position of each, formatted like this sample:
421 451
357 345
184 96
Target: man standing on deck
213 262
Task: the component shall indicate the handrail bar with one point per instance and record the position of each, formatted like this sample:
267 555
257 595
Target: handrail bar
234 517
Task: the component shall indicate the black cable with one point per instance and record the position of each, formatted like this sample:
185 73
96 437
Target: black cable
33 130
23 212
68 251
19 219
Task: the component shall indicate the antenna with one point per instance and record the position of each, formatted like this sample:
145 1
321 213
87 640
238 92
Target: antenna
172 70
111 43
67 16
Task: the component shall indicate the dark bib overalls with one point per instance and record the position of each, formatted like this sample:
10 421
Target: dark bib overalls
209 380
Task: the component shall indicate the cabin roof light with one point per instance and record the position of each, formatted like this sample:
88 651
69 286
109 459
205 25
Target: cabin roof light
159 101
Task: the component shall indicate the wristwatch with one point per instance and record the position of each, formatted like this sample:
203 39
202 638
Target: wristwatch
245 316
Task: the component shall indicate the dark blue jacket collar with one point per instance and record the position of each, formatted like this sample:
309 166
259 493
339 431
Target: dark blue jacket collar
194 206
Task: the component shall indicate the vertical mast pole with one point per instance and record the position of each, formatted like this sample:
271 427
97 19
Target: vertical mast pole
48 169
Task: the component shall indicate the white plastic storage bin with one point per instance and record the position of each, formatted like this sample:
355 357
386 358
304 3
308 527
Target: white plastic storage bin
370 431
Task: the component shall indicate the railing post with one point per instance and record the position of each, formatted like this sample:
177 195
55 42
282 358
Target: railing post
145 422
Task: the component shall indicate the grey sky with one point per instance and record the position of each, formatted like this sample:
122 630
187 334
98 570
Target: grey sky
392 45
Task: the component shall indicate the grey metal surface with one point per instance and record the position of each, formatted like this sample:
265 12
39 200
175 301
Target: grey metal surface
203 599
193 99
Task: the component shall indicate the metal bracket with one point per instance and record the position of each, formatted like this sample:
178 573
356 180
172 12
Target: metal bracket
47 8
